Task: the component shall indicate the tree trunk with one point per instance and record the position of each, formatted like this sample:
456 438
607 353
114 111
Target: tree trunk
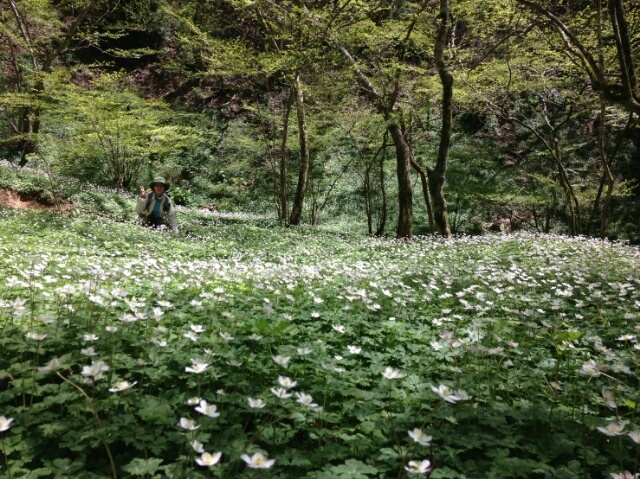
368 204
607 176
572 201
425 194
283 206
437 175
403 169
296 210
382 222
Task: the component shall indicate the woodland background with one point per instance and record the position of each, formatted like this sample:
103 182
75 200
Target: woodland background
408 117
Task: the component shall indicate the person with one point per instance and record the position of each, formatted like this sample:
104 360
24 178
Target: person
156 208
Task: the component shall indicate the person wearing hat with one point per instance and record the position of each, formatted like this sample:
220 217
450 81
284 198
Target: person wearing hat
156 208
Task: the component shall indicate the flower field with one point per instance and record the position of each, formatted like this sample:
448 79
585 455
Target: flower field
242 350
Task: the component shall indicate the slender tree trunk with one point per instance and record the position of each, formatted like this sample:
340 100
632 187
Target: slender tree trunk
283 207
547 220
608 179
437 175
607 176
603 179
296 210
403 169
425 194
382 221
367 198
572 201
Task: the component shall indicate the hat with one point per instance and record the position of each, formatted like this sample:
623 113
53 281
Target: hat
159 180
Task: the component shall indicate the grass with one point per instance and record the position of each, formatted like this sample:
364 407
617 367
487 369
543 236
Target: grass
508 351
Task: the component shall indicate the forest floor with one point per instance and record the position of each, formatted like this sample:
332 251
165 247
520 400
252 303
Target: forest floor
14 199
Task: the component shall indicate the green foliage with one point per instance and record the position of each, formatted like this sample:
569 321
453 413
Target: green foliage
29 182
109 135
510 351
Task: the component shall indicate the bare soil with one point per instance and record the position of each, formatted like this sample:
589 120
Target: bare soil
13 199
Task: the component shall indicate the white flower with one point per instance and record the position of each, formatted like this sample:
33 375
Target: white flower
196 328
191 335
635 436
281 360
390 373
446 393
338 328
306 399
193 401
256 403
625 475
281 393
303 351
35 336
197 446
111 329
226 336
90 337
286 382
590 368
257 461
88 351
197 367
157 314
612 429
209 459
626 337
128 318
462 394
607 397
96 369
420 437
354 349
122 386
255 337
418 467
50 366
44 319
207 409
5 423
188 424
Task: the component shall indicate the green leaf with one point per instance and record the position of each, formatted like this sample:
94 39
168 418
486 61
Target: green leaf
141 467
353 469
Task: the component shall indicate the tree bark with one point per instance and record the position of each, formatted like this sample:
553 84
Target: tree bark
425 194
437 175
403 169
403 149
296 210
382 221
283 206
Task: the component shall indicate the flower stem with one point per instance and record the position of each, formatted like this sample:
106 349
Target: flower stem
97 420
6 459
